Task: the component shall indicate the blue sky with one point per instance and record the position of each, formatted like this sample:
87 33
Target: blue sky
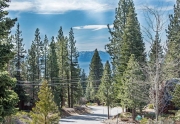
89 18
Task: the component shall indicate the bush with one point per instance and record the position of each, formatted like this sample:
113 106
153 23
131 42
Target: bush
150 106
177 115
150 115
89 104
125 115
19 117
144 121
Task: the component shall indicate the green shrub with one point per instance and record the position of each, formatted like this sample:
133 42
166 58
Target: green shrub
150 106
19 117
177 115
89 104
150 115
125 115
144 121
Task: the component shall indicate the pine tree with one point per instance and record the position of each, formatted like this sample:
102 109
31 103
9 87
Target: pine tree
78 93
113 48
63 65
45 57
38 51
18 61
95 74
73 60
155 56
54 70
132 42
134 87
156 45
125 40
6 24
46 110
83 81
77 89
172 57
53 65
105 92
32 66
8 98
34 60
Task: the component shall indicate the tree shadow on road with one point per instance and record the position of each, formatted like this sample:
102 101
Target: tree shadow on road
89 117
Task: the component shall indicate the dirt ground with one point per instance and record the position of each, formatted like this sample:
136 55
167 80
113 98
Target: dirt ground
78 110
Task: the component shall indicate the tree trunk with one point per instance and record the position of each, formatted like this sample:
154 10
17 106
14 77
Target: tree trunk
108 102
68 92
45 120
122 109
140 109
108 111
68 97
72 99
133 113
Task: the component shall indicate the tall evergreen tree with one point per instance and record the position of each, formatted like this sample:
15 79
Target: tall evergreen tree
125 40
134 87
78 90
63 65
8 97
54 70
18 61
53 65
95 74
105 92
172 57
156 47
35 55
155 56
132 42
73 60
32 66
113 48
45 57
38 49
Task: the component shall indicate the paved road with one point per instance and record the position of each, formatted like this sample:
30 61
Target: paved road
99 113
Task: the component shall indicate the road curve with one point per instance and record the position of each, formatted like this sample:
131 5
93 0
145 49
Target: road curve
99 113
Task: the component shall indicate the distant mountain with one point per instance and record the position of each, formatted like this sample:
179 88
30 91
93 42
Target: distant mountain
86 56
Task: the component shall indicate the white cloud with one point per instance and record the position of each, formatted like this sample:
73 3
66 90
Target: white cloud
20 6
60 6
92 27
